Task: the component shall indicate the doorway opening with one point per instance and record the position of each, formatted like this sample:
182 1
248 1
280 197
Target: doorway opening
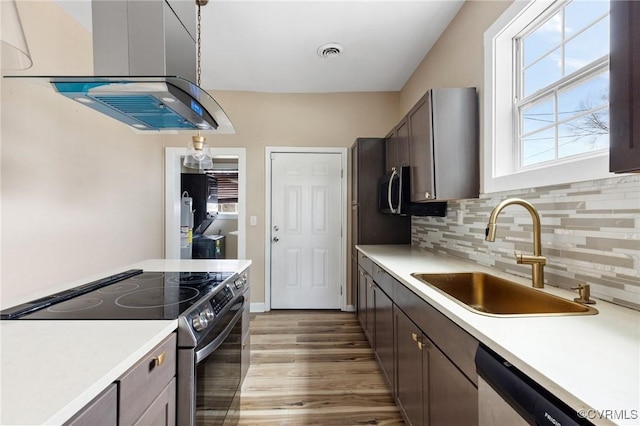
225 219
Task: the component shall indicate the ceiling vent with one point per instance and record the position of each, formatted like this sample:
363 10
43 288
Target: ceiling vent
330 50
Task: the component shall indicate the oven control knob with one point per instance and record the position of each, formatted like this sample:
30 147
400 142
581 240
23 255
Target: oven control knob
239 283
209 315
200 322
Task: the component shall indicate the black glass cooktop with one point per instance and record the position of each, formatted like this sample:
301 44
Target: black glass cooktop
139 295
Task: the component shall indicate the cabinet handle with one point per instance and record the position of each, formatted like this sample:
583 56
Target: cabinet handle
414 337
159 360
421 345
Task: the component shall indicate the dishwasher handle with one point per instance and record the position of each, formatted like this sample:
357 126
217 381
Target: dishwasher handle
533 402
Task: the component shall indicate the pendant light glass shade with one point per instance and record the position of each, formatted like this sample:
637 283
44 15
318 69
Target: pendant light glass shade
198 155
15 52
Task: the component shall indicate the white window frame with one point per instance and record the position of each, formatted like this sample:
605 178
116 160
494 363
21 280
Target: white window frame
498 151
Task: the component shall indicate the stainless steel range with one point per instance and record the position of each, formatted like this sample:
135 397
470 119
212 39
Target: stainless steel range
209 307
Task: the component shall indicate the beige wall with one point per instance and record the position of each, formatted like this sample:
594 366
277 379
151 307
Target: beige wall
81 193
305 120
456 59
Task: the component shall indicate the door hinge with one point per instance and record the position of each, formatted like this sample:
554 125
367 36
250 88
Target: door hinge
341 173
340 290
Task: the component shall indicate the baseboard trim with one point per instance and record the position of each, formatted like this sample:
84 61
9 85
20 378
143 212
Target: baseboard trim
257 307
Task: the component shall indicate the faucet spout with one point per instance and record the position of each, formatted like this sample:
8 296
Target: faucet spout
537 261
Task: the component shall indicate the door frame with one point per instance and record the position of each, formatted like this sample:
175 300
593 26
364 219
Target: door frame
173 166
343 217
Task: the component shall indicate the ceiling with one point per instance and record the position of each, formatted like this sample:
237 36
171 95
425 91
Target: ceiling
271 45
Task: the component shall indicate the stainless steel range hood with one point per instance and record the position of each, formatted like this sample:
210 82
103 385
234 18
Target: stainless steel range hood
144 55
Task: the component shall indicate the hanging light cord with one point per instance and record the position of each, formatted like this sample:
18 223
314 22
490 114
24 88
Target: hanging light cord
198 43
200 3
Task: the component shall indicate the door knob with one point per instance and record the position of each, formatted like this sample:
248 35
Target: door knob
275 228
276 239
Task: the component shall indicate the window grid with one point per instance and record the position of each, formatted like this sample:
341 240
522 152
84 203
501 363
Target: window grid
521 102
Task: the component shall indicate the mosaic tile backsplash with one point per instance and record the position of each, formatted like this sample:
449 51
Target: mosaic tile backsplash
590 235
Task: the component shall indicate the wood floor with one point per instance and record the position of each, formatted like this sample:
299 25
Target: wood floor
313 368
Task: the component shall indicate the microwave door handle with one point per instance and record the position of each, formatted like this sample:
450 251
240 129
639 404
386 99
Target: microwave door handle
394 174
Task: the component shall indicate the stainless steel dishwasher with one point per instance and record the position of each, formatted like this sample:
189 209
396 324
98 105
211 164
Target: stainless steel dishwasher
507 396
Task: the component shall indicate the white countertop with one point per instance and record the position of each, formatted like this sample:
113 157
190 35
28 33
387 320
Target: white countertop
51 369
591 362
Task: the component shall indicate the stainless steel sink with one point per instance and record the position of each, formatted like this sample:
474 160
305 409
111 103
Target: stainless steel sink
490 295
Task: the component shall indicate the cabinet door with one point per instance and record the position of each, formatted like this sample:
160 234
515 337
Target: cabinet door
362 299
354 173
421 147
384 332
451 399
404 153
162 411
391 151
624 62
408 366
370 330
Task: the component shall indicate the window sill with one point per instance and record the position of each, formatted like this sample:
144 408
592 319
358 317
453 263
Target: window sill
575 171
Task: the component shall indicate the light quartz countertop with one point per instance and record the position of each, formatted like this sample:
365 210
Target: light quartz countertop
49 370
591 362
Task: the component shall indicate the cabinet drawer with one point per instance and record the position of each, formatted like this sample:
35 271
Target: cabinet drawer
141 385
365 263
383 279
457 344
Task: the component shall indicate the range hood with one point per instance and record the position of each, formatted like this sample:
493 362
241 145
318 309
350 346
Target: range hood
144 57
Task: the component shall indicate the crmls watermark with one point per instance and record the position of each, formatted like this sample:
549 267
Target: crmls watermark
609 414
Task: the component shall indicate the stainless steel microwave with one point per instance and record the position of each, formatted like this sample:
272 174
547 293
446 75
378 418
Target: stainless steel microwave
394 192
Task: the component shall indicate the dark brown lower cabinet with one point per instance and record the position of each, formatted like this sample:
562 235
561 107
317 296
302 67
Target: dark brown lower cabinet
103 410
366 305
383 331
430 389
362 300
409 389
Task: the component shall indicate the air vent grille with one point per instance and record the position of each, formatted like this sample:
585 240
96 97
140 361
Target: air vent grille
330 50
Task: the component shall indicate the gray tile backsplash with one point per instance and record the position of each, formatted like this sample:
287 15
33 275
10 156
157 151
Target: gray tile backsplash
590 234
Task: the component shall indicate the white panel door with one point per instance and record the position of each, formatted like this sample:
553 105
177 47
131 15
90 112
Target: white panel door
306 230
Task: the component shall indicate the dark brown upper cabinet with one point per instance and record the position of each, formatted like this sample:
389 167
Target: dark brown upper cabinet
624 96
444 145
397 146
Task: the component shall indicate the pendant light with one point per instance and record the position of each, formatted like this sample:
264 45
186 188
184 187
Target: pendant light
198 154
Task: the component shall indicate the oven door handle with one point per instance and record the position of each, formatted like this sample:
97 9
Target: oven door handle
215 344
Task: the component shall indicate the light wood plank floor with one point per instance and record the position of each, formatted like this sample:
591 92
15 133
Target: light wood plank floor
313 368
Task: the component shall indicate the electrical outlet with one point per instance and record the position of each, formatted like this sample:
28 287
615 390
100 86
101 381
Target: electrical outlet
253 220
460 217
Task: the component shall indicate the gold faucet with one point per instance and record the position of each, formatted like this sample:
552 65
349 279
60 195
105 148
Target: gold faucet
537 261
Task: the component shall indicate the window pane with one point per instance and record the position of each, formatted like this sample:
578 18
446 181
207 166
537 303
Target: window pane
579 14
535 116
538 147
587 47
543 39
585 134
587 95
543 72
